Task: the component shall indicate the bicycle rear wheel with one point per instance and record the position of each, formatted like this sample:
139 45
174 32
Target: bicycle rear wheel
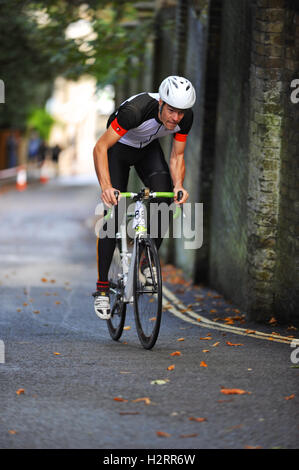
118 307
147 295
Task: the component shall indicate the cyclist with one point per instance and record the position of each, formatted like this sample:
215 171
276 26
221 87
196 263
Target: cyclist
131 139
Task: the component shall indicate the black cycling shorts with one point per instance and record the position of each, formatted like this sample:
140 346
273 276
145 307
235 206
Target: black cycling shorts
153 171
149 162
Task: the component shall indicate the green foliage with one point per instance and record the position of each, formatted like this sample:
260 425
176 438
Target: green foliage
26 52
40 120
119 41
35 49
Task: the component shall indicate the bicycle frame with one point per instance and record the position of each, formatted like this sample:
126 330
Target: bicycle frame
140 228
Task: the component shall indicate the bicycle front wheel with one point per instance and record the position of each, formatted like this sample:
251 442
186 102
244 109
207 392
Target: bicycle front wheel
118 307
147 292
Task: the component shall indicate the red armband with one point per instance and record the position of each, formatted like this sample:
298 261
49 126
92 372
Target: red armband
180 137
117 128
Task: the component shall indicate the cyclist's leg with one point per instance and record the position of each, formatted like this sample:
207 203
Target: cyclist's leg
119 173
154 173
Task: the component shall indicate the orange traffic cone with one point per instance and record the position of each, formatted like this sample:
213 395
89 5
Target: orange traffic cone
44 173
21 183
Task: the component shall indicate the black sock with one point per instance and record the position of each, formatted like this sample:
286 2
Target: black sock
103 287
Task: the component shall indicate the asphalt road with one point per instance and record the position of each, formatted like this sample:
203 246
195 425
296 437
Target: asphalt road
62 372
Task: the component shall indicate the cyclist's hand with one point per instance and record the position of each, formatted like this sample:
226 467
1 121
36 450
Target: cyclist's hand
108 196
183 198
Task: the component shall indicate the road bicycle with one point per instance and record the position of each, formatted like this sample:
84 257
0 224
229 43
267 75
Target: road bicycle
128 283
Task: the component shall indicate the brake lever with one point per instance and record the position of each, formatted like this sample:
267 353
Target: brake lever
180 195
116 194
180 206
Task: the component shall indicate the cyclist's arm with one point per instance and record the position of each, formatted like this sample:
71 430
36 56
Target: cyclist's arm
100 156
177 168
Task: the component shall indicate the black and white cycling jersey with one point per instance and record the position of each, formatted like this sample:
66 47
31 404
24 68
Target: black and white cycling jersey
136 121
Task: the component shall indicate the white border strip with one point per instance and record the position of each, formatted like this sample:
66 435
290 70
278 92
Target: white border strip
178 309
2 352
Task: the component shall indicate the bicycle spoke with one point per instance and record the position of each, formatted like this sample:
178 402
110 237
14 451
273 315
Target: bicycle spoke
148 299
118 307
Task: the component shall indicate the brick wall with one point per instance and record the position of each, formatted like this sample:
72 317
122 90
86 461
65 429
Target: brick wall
272 160
286 285
228 240
254 242
209 99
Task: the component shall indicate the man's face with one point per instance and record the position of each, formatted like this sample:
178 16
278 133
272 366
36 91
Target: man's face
170 116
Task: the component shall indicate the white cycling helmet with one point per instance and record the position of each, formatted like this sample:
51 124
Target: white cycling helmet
177 92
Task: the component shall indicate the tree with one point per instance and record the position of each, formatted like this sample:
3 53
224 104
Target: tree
34 48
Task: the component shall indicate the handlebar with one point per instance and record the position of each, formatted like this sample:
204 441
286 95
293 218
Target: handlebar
146 194
149 195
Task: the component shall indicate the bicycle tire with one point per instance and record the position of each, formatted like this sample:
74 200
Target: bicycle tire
147 298
118 307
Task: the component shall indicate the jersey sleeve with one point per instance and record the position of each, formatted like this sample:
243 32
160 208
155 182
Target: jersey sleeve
127 117
185 126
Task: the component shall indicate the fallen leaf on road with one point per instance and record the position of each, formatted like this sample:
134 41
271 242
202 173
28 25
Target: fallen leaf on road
291 327
36 311
250 332
290 397
176 353
272 321
162 434
25 304
203 364
12 431
234 344
57 302
199 420
233 391
120 399
205 350
57 353
206 337
181 339
20 391
215 344
159 382
146 400
43 279
232 428
127 328
171 367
